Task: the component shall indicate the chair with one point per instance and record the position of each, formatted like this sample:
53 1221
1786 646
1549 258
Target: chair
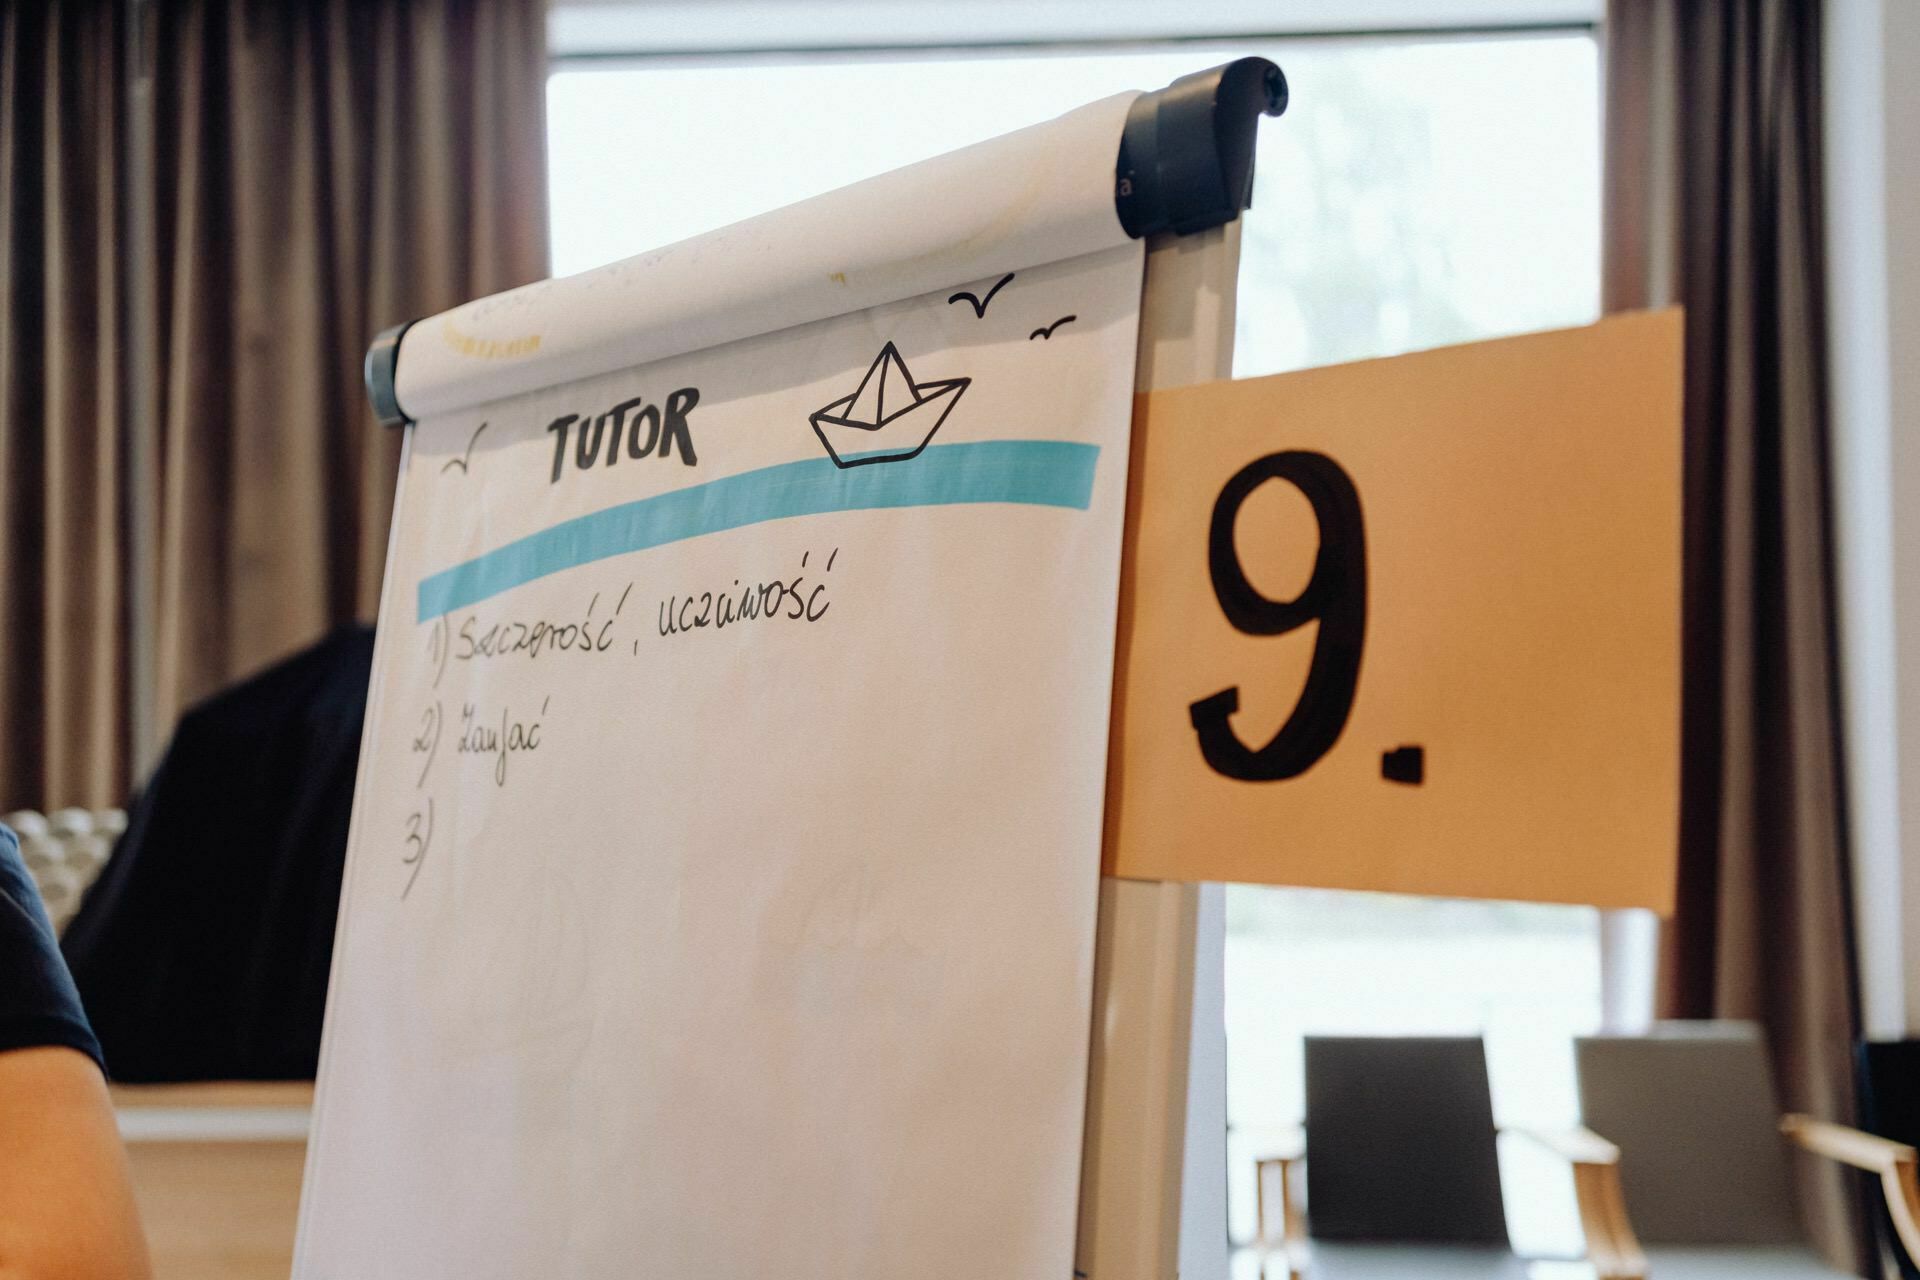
1681 1172
1403 1179
64 852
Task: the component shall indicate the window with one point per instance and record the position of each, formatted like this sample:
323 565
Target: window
1419 191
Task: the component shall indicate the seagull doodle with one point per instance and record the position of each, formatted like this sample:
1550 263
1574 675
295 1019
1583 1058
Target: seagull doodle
1046 333
980 304
461 462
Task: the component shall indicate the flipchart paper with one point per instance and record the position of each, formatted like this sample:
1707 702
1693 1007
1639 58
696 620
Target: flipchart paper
721 893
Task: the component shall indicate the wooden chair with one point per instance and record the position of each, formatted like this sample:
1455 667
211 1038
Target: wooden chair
1404 1180
1681 1172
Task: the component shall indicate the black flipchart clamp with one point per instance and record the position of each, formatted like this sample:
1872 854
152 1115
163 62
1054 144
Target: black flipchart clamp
1186 154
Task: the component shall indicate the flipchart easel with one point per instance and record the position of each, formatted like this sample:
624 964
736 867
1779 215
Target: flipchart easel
1153 1183
1153 1195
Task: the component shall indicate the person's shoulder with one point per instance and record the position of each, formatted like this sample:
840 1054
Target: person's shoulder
38 1003
17 891
13 867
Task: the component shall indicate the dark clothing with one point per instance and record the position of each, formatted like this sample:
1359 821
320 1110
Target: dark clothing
203 950
38 1005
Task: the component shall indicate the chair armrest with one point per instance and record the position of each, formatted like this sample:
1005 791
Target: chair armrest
1275 1195
1847 1145
1576 1145
1897 1164
1612 1247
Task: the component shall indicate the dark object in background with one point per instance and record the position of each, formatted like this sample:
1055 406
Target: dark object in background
1403 1182
1400 1142
1890 1107
202 951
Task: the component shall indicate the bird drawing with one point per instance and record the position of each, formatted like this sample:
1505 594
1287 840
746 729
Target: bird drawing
980 304
461 462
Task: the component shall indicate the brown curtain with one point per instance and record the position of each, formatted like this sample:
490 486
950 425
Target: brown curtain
1712 199
322 170
63 573
298 177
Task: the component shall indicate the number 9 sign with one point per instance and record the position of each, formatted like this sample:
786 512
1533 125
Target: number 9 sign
1475 691
1335 597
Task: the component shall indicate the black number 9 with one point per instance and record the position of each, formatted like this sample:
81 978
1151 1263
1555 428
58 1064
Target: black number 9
1336 596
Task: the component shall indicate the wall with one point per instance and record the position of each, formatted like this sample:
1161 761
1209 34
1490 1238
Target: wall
1872 57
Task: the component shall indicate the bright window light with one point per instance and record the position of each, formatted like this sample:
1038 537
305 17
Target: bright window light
1419 191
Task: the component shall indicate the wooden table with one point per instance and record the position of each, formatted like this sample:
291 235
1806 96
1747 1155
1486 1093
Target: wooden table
217 1169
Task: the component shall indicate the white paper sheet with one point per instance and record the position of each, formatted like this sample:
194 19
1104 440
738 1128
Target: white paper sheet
1038 195
682 950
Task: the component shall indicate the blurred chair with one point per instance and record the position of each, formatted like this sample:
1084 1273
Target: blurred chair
64 852
1403 1182
1688 1177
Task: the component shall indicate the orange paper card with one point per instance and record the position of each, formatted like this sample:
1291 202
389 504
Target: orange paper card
1410 625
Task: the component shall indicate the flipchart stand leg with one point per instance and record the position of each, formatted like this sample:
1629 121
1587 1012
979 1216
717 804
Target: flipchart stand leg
1203 1183
1153 1172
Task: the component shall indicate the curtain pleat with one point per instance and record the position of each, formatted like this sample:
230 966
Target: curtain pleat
64 737
305 175
1711 198
335 168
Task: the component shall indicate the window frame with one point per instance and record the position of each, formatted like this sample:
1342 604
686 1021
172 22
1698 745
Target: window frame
631 30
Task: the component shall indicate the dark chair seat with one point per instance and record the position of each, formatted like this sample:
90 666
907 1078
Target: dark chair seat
1346 1261
1403 1181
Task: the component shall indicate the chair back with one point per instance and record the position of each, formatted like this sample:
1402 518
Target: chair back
1889 1072
1400 1141
1691 1107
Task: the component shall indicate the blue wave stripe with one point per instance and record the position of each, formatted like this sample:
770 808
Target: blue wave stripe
1046 473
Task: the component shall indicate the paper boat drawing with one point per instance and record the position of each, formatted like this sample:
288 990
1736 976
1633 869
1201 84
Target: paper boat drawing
890 418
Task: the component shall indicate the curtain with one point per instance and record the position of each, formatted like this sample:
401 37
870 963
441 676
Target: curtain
63 570
322 170
1712 196
291 179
